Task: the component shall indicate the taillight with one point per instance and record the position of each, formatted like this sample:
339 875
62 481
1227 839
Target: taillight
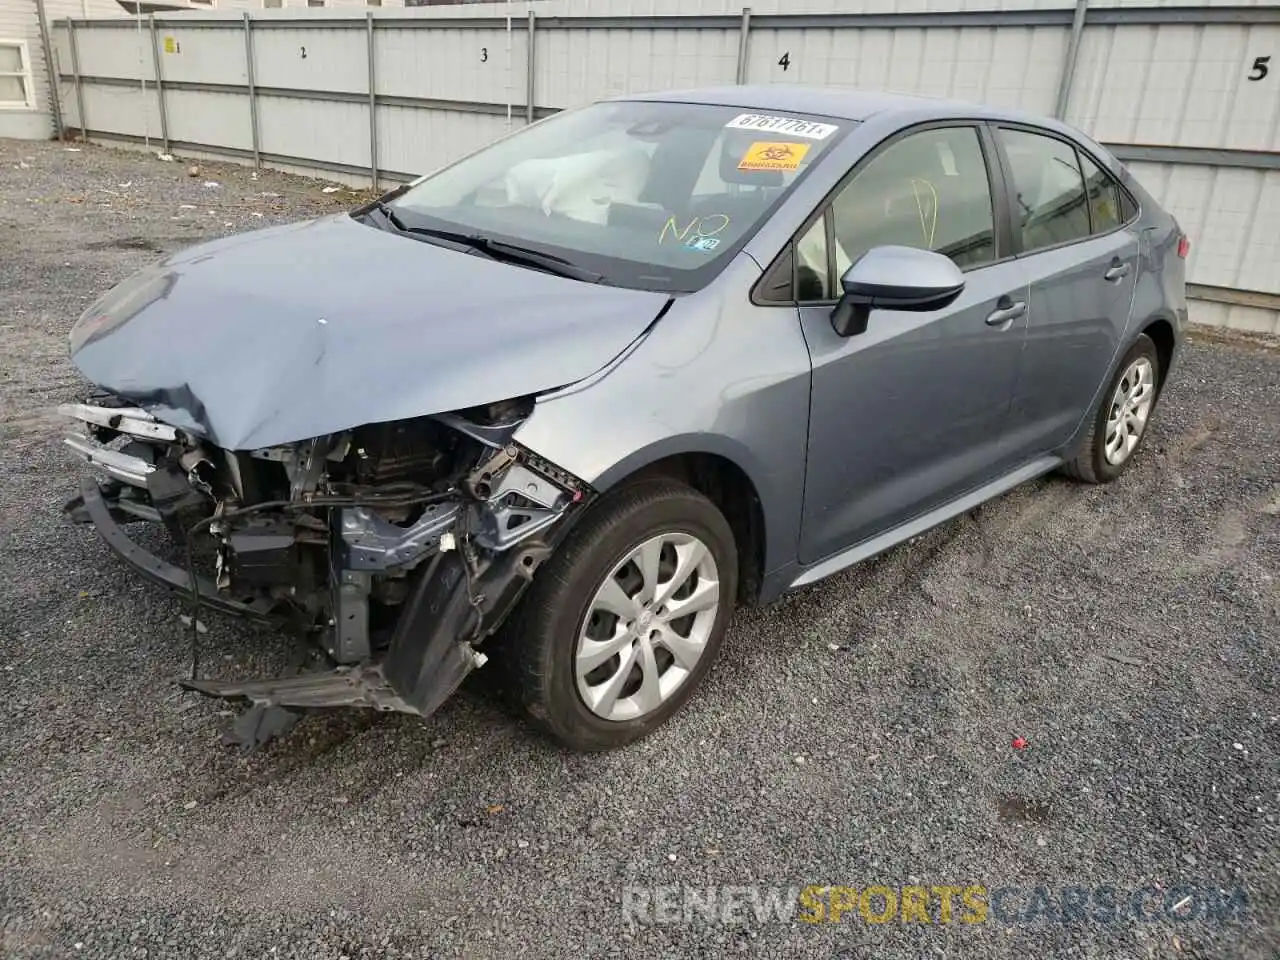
1184 246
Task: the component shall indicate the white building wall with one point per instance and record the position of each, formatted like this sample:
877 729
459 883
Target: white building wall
1172 92
18 21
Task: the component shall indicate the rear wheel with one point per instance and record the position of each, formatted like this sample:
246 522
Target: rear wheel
1120 422
621 625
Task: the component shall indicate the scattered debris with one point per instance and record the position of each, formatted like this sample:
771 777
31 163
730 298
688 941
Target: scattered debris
330 189
799 759
1127 661
494 809
71 149
166 157
194 170
126 185
212 184
23 165
189 805
258 725
186 622
1019 743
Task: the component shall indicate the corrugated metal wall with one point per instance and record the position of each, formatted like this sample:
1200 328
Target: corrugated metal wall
1175 89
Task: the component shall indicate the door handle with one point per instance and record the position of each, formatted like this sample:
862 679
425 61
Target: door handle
1006 310
1117 270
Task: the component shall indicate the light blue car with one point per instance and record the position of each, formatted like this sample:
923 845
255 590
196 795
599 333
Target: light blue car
567 402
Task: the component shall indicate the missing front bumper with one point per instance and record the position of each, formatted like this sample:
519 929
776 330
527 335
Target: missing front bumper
90 505
430 652
312 538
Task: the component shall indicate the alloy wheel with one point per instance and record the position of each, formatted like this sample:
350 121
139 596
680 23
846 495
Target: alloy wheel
647 626
1130 408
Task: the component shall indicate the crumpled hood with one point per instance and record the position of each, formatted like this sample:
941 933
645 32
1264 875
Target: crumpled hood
297 331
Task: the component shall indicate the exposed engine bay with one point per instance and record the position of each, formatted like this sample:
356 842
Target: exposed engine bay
395 549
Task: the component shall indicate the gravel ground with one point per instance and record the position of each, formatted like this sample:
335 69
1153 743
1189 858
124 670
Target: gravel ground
857 733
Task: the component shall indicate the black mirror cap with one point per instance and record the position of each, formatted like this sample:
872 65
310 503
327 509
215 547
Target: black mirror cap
895 278
902 297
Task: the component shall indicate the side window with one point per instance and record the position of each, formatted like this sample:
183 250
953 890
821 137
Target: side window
1104 197
928 190
1050 207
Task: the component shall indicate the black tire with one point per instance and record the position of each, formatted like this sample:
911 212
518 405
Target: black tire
1090 463
535 651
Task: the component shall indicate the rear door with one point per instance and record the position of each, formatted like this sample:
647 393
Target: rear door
914 411
1082 264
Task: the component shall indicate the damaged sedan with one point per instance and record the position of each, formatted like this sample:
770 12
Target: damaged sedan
563 405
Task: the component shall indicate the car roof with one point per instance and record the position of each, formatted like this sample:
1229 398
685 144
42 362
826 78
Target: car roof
836 103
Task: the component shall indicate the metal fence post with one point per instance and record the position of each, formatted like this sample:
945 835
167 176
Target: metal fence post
75 75
155 58
1069 64
51 72
253 94
530 76
744 37
373 100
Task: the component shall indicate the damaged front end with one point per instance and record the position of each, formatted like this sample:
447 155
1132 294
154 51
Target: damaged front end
395 548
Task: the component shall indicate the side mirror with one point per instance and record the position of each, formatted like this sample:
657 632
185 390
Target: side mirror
894 278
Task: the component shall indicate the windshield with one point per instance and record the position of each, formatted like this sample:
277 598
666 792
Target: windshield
645 194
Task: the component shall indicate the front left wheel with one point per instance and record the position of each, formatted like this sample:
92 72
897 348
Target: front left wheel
620 626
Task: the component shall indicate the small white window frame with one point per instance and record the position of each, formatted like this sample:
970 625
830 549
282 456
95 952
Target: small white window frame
283 4
24 74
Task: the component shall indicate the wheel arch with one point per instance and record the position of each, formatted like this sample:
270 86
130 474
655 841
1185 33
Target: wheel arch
718 474
1165 333
1161 331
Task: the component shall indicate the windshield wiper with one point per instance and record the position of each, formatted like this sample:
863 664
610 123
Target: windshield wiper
508 252
392 217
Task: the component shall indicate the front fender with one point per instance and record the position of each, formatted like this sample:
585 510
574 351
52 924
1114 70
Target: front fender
707 379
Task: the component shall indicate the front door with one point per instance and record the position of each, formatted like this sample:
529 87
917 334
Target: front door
915 410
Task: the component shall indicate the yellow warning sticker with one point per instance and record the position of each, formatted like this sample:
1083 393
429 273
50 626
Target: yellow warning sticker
171 45
773 156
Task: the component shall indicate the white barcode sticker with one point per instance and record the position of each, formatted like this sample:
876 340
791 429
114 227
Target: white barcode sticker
794 126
